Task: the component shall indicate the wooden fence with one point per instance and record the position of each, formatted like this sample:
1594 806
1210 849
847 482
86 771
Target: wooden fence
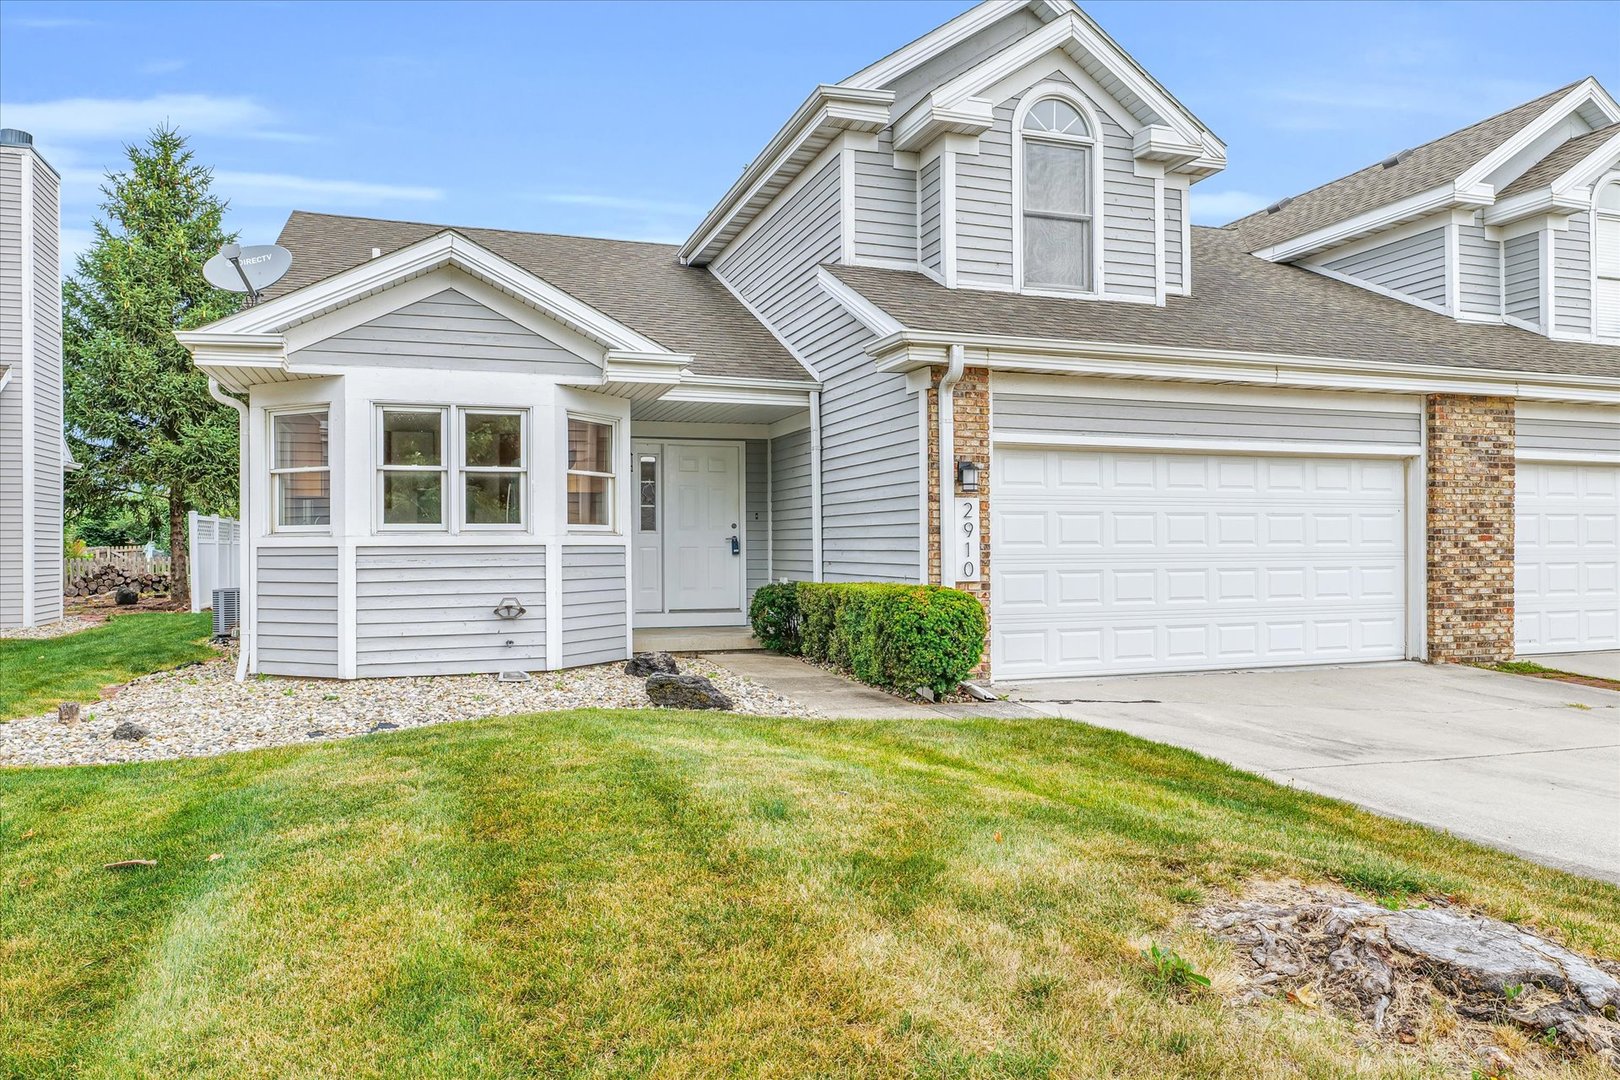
133 559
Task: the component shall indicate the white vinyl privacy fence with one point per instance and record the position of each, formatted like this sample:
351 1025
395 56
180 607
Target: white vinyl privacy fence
216 557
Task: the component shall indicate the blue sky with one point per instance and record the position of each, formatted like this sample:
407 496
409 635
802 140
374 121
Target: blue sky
630 119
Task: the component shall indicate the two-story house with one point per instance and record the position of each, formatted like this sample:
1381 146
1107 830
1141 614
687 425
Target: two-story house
952 325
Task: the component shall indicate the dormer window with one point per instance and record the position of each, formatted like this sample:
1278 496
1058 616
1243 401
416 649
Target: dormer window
1058 154
1606 249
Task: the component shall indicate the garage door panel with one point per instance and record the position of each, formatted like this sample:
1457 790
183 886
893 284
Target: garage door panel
1167 562
1567 557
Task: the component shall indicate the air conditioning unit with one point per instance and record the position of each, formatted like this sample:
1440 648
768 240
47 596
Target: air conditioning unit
227 611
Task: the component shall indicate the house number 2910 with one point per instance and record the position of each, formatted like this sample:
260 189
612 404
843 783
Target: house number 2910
966 533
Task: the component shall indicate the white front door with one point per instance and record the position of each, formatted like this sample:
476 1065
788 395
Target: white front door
1113 563
703 560
1566 567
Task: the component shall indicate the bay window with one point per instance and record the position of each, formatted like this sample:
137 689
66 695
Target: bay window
590 473
493 469
300 470
411 467
1057 148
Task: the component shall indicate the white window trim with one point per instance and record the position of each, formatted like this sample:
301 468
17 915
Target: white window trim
446 496
1597 215
1033 96
271 416
462 470
611 527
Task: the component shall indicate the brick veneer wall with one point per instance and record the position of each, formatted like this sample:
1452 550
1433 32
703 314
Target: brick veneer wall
972 416
1470 528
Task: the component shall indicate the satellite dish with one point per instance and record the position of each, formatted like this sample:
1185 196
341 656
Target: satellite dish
247 269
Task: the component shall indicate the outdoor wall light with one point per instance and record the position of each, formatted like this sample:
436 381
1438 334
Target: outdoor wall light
509 608
967 475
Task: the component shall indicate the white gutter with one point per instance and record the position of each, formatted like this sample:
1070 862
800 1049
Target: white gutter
244 624
947 457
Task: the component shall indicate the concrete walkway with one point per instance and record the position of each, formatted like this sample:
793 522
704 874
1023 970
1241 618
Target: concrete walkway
1526 765
834 696
1597 665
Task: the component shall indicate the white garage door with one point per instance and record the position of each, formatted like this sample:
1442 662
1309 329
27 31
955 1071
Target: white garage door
1110 563
1567 558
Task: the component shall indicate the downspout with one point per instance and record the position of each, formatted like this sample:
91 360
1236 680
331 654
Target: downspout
816 569
947 459
244 619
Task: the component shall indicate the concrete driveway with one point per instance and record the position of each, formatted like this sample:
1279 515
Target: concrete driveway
1599 665
1522 764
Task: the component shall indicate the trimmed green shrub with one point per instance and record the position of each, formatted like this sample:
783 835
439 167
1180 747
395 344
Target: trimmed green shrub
897 636
774 613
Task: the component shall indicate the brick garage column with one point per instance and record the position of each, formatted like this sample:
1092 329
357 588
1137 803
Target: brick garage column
972 416
1470 528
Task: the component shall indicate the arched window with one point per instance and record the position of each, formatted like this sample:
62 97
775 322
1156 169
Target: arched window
1606 252
1057 150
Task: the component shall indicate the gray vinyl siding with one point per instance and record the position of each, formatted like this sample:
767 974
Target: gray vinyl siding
1413 267
870 529
423 610
1573 436
1028 414
885 206
297 611
448 329
1572 276
1521 277
914 85
930 250
47 387
984 205
792 538
757 510
594 605
1174 223
985 201
1479 287
11 399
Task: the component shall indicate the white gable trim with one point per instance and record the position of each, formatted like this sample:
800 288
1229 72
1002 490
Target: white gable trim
948 36
443 249
1587 92
1155 105
424 287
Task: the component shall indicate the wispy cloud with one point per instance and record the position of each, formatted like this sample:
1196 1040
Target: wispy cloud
161 67
628 203
1310 104
77 119
280 189
1219 207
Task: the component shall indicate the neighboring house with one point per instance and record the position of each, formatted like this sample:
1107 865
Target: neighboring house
1302 438
32 449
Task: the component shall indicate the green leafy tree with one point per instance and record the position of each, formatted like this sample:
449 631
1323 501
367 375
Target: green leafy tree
139 416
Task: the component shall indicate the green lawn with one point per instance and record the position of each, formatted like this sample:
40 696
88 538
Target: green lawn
599 894
35 676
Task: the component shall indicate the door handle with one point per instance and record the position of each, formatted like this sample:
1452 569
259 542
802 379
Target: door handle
736 546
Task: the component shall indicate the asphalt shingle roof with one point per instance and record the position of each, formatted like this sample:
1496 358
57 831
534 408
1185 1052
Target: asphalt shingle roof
1563 158
1419 169
1240 303
684 308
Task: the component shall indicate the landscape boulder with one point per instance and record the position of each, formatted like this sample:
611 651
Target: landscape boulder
644 664
129 732
126 596
685 692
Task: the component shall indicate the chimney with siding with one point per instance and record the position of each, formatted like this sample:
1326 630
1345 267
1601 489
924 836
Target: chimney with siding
32 451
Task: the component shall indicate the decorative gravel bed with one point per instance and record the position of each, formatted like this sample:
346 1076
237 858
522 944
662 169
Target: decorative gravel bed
200 711
70 625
